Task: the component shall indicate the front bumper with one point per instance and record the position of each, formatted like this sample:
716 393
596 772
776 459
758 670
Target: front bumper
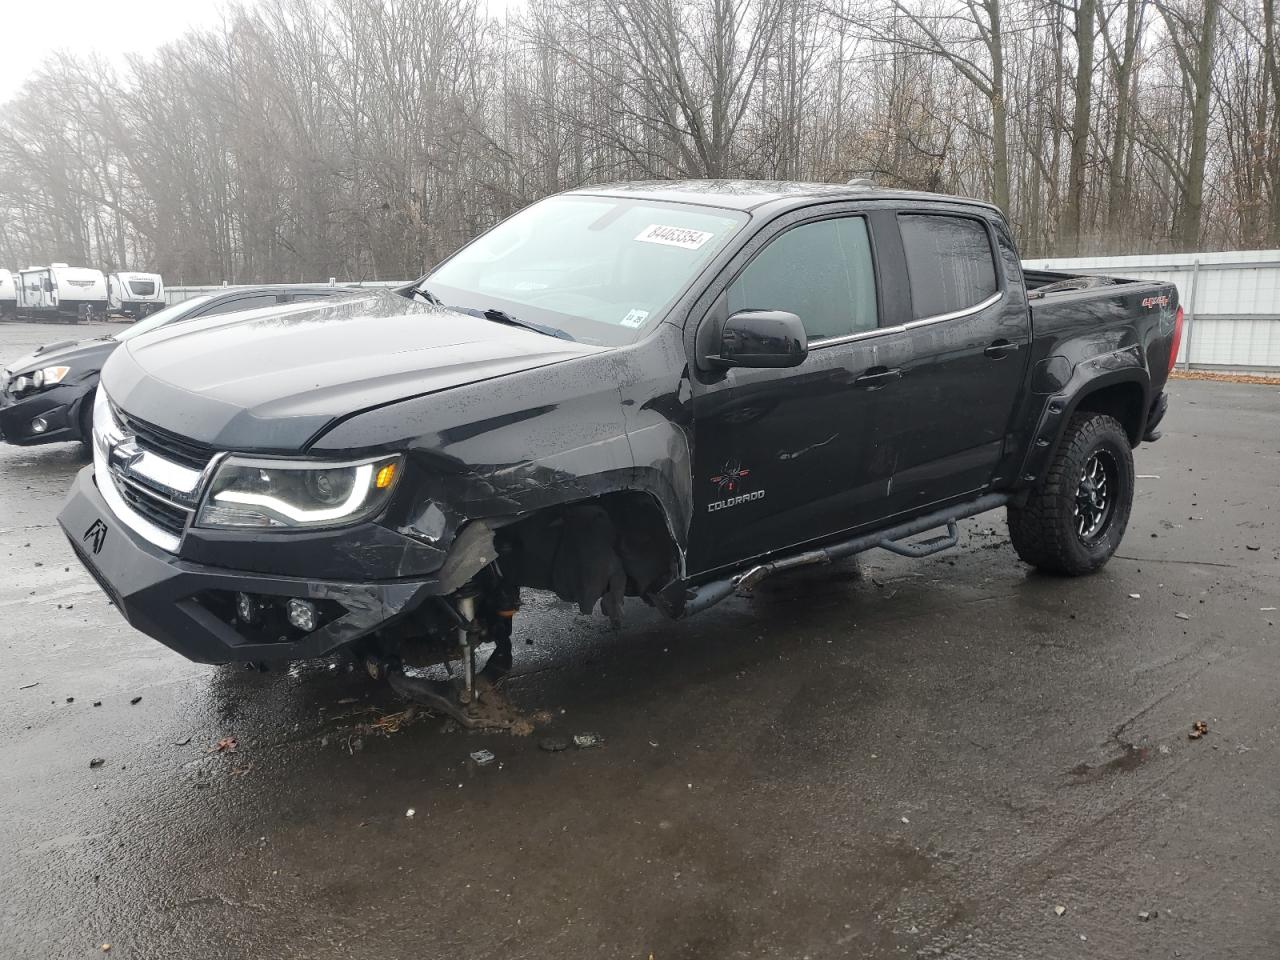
162 594
59 407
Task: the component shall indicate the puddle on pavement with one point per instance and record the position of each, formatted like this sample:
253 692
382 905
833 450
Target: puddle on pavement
1131 759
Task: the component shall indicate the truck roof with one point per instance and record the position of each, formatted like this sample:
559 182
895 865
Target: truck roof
750 194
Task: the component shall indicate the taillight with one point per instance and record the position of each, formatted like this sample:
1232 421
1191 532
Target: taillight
1177 339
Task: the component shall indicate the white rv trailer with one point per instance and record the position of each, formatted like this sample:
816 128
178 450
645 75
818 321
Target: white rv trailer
135 294
60 292
8 295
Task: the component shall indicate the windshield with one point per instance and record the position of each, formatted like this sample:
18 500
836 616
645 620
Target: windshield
176 311
600 268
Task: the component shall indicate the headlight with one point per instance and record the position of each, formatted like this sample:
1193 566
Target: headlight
49 376
280 493
38 380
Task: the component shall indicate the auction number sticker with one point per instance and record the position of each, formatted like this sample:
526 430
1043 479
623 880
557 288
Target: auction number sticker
674 236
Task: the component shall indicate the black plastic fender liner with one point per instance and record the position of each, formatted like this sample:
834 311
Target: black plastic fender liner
701 597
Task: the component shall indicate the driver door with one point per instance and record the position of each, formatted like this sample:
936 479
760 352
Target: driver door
779 454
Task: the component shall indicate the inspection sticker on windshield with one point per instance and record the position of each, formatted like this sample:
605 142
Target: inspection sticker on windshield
635 318
674 236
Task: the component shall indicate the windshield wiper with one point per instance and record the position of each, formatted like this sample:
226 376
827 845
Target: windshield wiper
501 316
426 295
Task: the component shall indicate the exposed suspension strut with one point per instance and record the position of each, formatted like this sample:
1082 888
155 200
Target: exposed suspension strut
477 612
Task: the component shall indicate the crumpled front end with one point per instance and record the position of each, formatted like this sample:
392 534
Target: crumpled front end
225 595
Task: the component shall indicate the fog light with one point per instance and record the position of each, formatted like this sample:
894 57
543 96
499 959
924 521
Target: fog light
248 609
39 425
302 614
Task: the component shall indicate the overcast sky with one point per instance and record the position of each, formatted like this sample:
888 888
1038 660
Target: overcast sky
35 28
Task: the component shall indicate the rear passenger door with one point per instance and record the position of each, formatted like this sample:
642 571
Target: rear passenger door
959 360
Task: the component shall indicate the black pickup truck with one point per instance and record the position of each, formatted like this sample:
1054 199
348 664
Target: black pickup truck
661 390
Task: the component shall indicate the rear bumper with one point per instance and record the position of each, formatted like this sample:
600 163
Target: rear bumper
139 308
167 598
1159 407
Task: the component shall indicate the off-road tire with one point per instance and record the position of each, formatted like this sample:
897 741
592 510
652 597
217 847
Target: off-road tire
1044 529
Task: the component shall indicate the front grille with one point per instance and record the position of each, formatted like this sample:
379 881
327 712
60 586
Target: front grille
153 507
159 441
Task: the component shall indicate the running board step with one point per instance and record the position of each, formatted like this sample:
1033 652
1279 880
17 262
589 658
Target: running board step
704 595
924 548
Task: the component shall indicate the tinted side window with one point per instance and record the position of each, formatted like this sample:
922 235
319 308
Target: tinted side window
949 263
308 296
242 303
822 272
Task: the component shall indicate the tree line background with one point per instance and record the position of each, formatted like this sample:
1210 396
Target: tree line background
367 139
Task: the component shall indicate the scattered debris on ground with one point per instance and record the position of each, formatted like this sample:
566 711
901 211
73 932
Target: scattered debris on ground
585 740
390 723
225 745
1198 730
1145 915
1182 616
97 762
553 744
1222 377
135 701
30 686
483 757
183 742
1059 910
410 812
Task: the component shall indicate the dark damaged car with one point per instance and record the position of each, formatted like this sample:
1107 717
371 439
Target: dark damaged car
663 391
47 396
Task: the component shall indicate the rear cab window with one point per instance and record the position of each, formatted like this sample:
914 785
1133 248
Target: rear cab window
950 263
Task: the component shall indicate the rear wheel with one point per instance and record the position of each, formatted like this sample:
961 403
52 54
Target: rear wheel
1076 516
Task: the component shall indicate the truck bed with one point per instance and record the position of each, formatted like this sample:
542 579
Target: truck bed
1050 283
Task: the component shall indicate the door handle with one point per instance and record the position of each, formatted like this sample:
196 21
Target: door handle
1000 349
877 377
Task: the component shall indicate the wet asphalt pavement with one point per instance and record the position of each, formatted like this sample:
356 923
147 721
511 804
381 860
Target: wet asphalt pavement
891 758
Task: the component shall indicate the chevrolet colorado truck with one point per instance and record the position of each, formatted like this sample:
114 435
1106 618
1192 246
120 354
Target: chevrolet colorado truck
658 390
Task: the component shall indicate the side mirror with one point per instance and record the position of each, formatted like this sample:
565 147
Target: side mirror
761 338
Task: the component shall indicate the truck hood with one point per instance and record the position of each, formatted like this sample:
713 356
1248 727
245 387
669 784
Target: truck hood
82 356
272 379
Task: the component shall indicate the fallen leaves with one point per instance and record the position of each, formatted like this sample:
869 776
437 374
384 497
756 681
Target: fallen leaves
392 722
1198 730
225 745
